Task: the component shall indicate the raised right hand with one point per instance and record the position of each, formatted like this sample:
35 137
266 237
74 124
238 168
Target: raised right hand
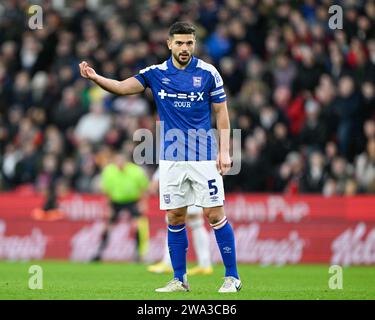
86 71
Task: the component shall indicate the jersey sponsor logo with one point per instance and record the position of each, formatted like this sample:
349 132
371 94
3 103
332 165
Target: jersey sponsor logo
197 82
165 80
193 96
182 104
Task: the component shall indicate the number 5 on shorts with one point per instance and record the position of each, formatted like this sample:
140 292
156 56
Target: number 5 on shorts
212 187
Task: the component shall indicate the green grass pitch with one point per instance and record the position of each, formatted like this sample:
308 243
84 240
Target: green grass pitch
67 280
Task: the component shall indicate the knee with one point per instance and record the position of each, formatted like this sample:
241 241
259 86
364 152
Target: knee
214 215
176 216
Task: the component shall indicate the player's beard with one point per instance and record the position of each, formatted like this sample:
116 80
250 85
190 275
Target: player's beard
183 61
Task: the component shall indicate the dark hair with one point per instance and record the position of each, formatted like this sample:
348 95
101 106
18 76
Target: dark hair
181 27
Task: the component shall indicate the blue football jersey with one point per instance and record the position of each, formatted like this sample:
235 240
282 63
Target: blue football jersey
183 99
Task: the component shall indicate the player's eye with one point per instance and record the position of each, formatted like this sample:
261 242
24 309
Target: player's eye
179 43
189 43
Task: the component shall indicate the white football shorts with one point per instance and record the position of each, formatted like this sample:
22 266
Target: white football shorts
186 183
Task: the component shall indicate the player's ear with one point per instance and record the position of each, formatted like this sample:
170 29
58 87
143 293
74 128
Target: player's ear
169 43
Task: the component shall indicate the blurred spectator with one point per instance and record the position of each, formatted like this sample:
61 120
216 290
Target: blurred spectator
53 141
27 167
351 187
232 76
9 161
254 168
341 173
3 135
369 129
22 90
47 174
294 173
337 67
30 48
295 89
87 177
69 111
331 152
94 125
134 105
346 108
69 172
218 44
325 94
329 188
368 132
12 125
268 116
368 100
313 133
365 168
309 70
284 71
279 145
314 176
28 133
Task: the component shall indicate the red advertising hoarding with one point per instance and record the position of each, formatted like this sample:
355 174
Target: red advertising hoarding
270 229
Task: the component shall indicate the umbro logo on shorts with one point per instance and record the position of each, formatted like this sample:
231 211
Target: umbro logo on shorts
214 198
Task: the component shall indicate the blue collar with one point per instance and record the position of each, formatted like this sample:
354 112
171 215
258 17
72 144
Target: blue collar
190 67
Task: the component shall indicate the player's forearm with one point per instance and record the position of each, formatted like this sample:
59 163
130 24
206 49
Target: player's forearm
110 85
223 126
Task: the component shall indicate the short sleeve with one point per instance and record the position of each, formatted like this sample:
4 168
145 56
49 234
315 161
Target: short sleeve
217 92
144 76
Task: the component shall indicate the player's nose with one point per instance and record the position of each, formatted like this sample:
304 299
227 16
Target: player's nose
184 48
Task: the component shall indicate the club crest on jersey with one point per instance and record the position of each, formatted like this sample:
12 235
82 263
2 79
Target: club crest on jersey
167 198
197 82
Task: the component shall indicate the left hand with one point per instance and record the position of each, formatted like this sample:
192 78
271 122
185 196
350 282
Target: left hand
223 163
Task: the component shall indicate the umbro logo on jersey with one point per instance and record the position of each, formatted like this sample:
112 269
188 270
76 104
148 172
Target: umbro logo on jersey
198 96
165 80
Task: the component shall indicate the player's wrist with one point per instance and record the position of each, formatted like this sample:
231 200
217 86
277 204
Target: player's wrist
224 154
94 78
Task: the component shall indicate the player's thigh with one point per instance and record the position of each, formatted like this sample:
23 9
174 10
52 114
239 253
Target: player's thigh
175 188
207 183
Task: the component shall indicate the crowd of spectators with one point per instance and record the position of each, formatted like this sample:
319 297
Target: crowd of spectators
302 94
